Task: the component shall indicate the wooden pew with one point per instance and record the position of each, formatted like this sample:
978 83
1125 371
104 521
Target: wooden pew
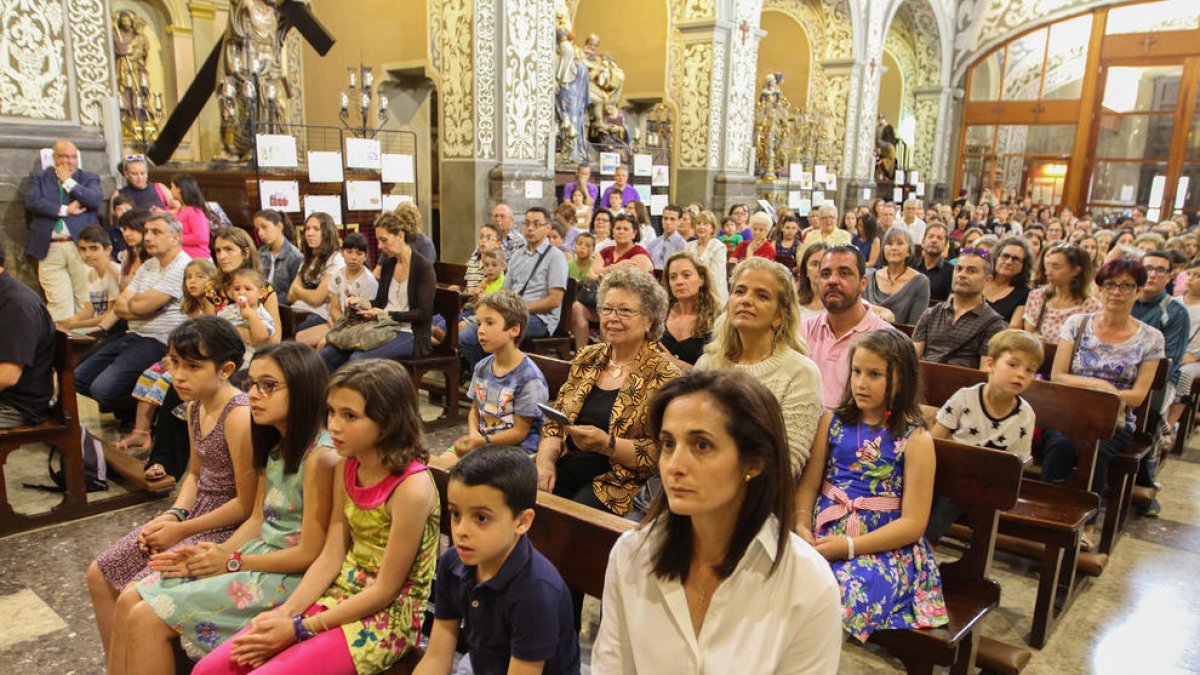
443 359
904 328
575 538
287 323
1123 469
62 430
1053 516
558 342
555 371
450 274
983 482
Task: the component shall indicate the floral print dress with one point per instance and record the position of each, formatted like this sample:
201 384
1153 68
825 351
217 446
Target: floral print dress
378 641
889 589
206 612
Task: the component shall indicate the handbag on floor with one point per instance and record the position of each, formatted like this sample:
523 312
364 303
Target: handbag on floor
353 333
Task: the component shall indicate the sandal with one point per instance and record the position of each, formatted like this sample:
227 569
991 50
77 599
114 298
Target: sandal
127 443
155 472
1086 540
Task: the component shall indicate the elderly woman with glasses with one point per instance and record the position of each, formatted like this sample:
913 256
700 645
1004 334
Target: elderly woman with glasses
897 285
605 453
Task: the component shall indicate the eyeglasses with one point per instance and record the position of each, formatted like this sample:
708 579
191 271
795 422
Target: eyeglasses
1157 269
135 158
1012 258
623 313
265 386
1126 287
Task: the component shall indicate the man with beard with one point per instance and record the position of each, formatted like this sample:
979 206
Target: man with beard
933 263
830 333
956 332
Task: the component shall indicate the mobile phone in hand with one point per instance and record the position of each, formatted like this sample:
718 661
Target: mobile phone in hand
553 414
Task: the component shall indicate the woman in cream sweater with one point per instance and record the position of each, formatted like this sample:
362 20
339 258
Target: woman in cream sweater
759 335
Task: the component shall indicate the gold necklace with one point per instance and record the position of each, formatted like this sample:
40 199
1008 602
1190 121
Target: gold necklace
616 367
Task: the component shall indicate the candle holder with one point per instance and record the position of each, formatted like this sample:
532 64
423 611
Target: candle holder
358 121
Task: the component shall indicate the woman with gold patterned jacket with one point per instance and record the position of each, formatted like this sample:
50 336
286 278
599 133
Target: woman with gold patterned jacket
607 453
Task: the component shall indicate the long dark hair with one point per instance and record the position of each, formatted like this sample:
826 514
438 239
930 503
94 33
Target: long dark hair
305 375
804 288
134 219
1021 280
208 338
903 409
868 227
313 266
191 194
273 216
754 420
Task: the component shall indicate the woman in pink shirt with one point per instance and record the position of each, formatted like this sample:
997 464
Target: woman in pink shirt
194 214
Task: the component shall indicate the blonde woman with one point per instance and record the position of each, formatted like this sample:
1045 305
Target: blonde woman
759 334
692 309
710 251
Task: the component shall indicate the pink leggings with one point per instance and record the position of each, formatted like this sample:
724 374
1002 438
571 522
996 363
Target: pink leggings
328 649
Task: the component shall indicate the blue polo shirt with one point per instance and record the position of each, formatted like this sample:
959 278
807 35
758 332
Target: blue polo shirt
524 611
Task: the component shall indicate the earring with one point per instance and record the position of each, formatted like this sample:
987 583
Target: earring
748 477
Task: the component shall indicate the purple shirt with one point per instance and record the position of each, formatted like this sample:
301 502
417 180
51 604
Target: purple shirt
629 194
832 353
593 191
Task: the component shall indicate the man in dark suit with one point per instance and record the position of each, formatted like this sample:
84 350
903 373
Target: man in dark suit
62 200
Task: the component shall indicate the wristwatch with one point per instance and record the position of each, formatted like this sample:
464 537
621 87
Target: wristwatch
234 563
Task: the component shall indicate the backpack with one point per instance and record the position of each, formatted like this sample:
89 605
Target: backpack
95 469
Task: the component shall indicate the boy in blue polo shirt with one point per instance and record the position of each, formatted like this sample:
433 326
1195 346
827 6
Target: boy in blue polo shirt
509 600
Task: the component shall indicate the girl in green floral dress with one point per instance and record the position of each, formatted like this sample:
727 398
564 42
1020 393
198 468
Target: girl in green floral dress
359 607
204 593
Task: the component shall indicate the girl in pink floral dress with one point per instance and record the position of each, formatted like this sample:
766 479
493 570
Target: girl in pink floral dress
869 485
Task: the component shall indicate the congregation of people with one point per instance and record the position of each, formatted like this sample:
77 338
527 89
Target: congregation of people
747 386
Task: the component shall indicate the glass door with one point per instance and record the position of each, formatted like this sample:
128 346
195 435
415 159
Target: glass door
1135 124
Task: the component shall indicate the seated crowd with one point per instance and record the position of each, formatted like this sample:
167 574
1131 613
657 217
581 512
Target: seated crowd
764 422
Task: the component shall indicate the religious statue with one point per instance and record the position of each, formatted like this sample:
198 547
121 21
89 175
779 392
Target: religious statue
141 109
772 128
570 100
253 86
606 80
885 152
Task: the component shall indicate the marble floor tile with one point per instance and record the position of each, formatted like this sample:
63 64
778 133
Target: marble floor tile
23 617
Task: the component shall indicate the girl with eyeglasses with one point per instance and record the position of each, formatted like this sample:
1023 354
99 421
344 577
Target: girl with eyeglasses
204 593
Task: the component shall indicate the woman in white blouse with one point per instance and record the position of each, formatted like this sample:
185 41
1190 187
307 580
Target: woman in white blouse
715 581
712 252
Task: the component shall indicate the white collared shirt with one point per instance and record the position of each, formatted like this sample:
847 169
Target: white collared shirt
787 622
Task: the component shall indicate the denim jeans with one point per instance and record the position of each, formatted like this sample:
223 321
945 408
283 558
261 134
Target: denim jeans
399 347
1059 456
109 374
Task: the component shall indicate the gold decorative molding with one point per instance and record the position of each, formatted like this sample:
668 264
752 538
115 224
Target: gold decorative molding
202 10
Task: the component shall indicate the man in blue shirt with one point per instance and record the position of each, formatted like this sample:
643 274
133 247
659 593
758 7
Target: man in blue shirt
537 272
508 601
670 242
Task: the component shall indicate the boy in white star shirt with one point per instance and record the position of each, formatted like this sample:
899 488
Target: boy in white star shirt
993 414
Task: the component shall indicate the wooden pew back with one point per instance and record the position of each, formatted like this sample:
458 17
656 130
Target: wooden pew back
450 274
554 370
1086 416
575 538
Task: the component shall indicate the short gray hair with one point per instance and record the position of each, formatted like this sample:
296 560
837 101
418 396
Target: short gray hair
648 291
171 221
830 207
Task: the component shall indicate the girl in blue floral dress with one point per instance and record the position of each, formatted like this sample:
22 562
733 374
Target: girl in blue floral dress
865 493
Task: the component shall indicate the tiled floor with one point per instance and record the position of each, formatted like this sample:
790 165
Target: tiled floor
1141 615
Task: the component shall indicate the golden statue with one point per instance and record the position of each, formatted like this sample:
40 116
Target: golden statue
141 109
772 128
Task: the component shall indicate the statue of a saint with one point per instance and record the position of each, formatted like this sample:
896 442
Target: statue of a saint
253 83
885 152
570 100
132 49
606 80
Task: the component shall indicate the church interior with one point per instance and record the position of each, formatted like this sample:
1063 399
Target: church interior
330 148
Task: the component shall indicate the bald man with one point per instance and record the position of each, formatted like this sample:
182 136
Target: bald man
62 200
